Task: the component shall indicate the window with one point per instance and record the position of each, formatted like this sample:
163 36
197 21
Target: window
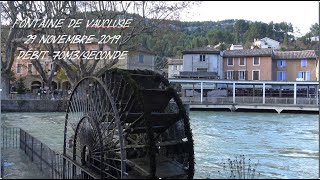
202 69
174 67
281 76
281 63
304 63
242 61
230 62
19 68
304 75
256 61
242 75
30 68
230 75
202 57
256 75
141 57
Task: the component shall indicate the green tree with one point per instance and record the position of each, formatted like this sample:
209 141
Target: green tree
285 39
215 36
240 27
61 75
315 29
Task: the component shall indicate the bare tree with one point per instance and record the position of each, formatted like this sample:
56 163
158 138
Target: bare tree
147 16
10 12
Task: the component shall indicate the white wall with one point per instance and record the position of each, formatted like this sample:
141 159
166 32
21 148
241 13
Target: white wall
213 63
172 71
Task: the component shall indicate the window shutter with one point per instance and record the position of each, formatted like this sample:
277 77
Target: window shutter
308 75
278 63
284 76
278 76
299 75
284 63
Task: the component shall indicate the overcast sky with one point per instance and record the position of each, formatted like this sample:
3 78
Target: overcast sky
301 14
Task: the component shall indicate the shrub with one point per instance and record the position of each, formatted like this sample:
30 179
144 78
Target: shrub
239 168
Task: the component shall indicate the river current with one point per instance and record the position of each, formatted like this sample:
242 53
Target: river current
282 145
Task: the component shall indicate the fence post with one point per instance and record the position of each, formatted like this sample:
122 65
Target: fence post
25 142
309 101
63 168
52 175
41 157
32 148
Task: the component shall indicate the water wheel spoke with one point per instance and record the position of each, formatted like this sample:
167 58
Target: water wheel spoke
120 118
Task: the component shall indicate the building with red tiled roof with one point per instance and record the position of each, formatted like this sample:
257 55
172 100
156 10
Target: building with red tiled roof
295 65
248 64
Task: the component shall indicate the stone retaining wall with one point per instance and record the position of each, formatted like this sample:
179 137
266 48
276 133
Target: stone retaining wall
33 105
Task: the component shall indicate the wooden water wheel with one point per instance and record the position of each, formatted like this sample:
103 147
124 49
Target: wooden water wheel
129 124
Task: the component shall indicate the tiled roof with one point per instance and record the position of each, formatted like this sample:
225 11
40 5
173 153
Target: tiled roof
175 61
247 52
205 49
306 54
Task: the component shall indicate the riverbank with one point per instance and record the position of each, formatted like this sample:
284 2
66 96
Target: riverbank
38 105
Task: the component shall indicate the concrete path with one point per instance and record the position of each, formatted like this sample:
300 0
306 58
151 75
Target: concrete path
17 165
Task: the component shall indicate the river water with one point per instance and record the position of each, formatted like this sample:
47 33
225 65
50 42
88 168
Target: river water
283 145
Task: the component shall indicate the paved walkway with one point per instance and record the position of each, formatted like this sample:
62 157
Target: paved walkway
17 165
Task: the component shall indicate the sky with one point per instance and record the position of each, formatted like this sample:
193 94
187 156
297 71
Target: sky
301 14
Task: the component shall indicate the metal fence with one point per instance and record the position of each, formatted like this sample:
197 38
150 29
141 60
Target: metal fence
249 100
32 96
10 137
198 75
50 163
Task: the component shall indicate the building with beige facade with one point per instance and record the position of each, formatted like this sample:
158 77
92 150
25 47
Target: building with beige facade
247 64
295 66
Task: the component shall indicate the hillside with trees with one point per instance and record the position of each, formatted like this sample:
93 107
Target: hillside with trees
177 36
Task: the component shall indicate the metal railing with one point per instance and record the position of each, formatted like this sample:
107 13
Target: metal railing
198 75
32 96
52 164
249 100
10 137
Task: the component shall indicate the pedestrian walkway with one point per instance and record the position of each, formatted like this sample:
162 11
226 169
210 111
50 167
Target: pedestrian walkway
17 165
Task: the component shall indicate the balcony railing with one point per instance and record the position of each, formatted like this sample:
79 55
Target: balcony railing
236 75
198 75
249 100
